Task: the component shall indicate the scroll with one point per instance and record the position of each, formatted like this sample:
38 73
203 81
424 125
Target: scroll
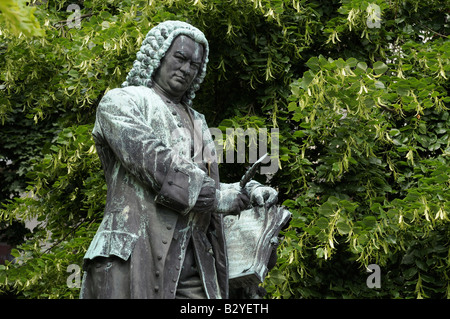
250 241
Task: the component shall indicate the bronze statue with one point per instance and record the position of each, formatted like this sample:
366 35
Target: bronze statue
162 234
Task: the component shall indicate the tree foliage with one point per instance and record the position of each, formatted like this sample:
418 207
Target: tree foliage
19 18
358 90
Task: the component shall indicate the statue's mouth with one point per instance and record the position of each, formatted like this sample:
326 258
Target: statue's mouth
180 78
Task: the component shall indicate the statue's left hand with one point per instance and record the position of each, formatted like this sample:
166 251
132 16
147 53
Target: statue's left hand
264 196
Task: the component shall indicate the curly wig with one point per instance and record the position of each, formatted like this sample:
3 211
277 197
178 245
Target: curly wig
155 45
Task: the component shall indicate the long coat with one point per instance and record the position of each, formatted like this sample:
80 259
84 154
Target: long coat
153 182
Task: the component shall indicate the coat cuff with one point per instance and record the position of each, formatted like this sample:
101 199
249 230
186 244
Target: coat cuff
181 187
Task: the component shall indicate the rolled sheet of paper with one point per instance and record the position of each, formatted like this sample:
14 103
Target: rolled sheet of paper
251 240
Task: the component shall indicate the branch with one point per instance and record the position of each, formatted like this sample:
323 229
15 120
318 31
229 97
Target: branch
431 30
67 235
63 23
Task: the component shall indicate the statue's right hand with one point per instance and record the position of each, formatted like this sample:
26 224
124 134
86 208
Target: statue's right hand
232 201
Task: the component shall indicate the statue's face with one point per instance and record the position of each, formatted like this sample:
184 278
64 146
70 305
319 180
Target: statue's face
179 67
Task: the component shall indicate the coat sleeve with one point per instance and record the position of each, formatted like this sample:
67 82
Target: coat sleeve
121 125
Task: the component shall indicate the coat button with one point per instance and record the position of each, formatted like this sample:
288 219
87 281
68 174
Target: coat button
179 124
169 227
157 273
156 288
170 182
174 113
164 241
159 257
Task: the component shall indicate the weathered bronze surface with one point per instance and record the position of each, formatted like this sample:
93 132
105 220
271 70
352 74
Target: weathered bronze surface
251 239
163 234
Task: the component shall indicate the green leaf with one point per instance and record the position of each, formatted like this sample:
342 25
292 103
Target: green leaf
73 73
409 273
320 252
349 206
307 79
277 277
343 228
379 67
313 64
362 66
335 167
370 221
403 89
434 147
322 223
326 209
299 134
379 85
15 253
352 62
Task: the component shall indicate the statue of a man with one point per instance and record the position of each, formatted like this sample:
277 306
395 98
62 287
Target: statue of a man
162 234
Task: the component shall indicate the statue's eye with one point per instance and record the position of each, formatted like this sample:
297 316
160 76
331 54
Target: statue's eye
179 58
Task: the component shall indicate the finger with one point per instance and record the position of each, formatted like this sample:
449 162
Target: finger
259 199
235 210
243 194
243 204
239 204
208 191
207 201
205 198
273 199
203 167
